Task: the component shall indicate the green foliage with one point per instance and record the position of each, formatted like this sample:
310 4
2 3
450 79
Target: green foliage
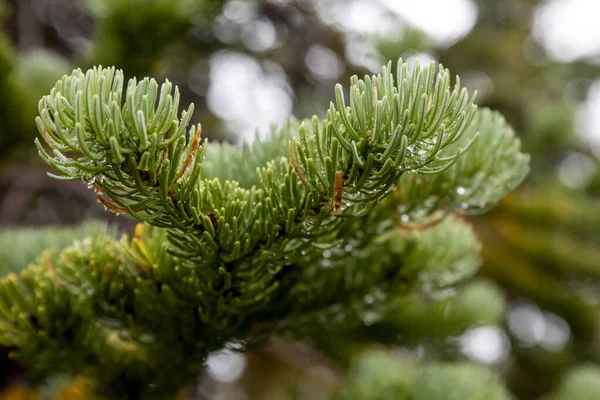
380 376
399 270
281 247
478 303
438 266
414 318
474 183
21 247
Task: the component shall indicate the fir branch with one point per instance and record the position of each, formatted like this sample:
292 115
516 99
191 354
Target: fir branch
238 256
340 291
487 172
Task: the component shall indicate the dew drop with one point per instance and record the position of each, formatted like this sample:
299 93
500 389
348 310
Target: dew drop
404 218
89 181
461 190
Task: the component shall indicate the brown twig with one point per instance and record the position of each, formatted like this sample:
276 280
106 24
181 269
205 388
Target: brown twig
337 193
110 205
190 157
295 165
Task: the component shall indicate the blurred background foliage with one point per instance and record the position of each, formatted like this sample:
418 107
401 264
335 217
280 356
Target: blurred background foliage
529 320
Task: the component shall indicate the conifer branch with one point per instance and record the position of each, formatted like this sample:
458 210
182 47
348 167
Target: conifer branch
276 237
